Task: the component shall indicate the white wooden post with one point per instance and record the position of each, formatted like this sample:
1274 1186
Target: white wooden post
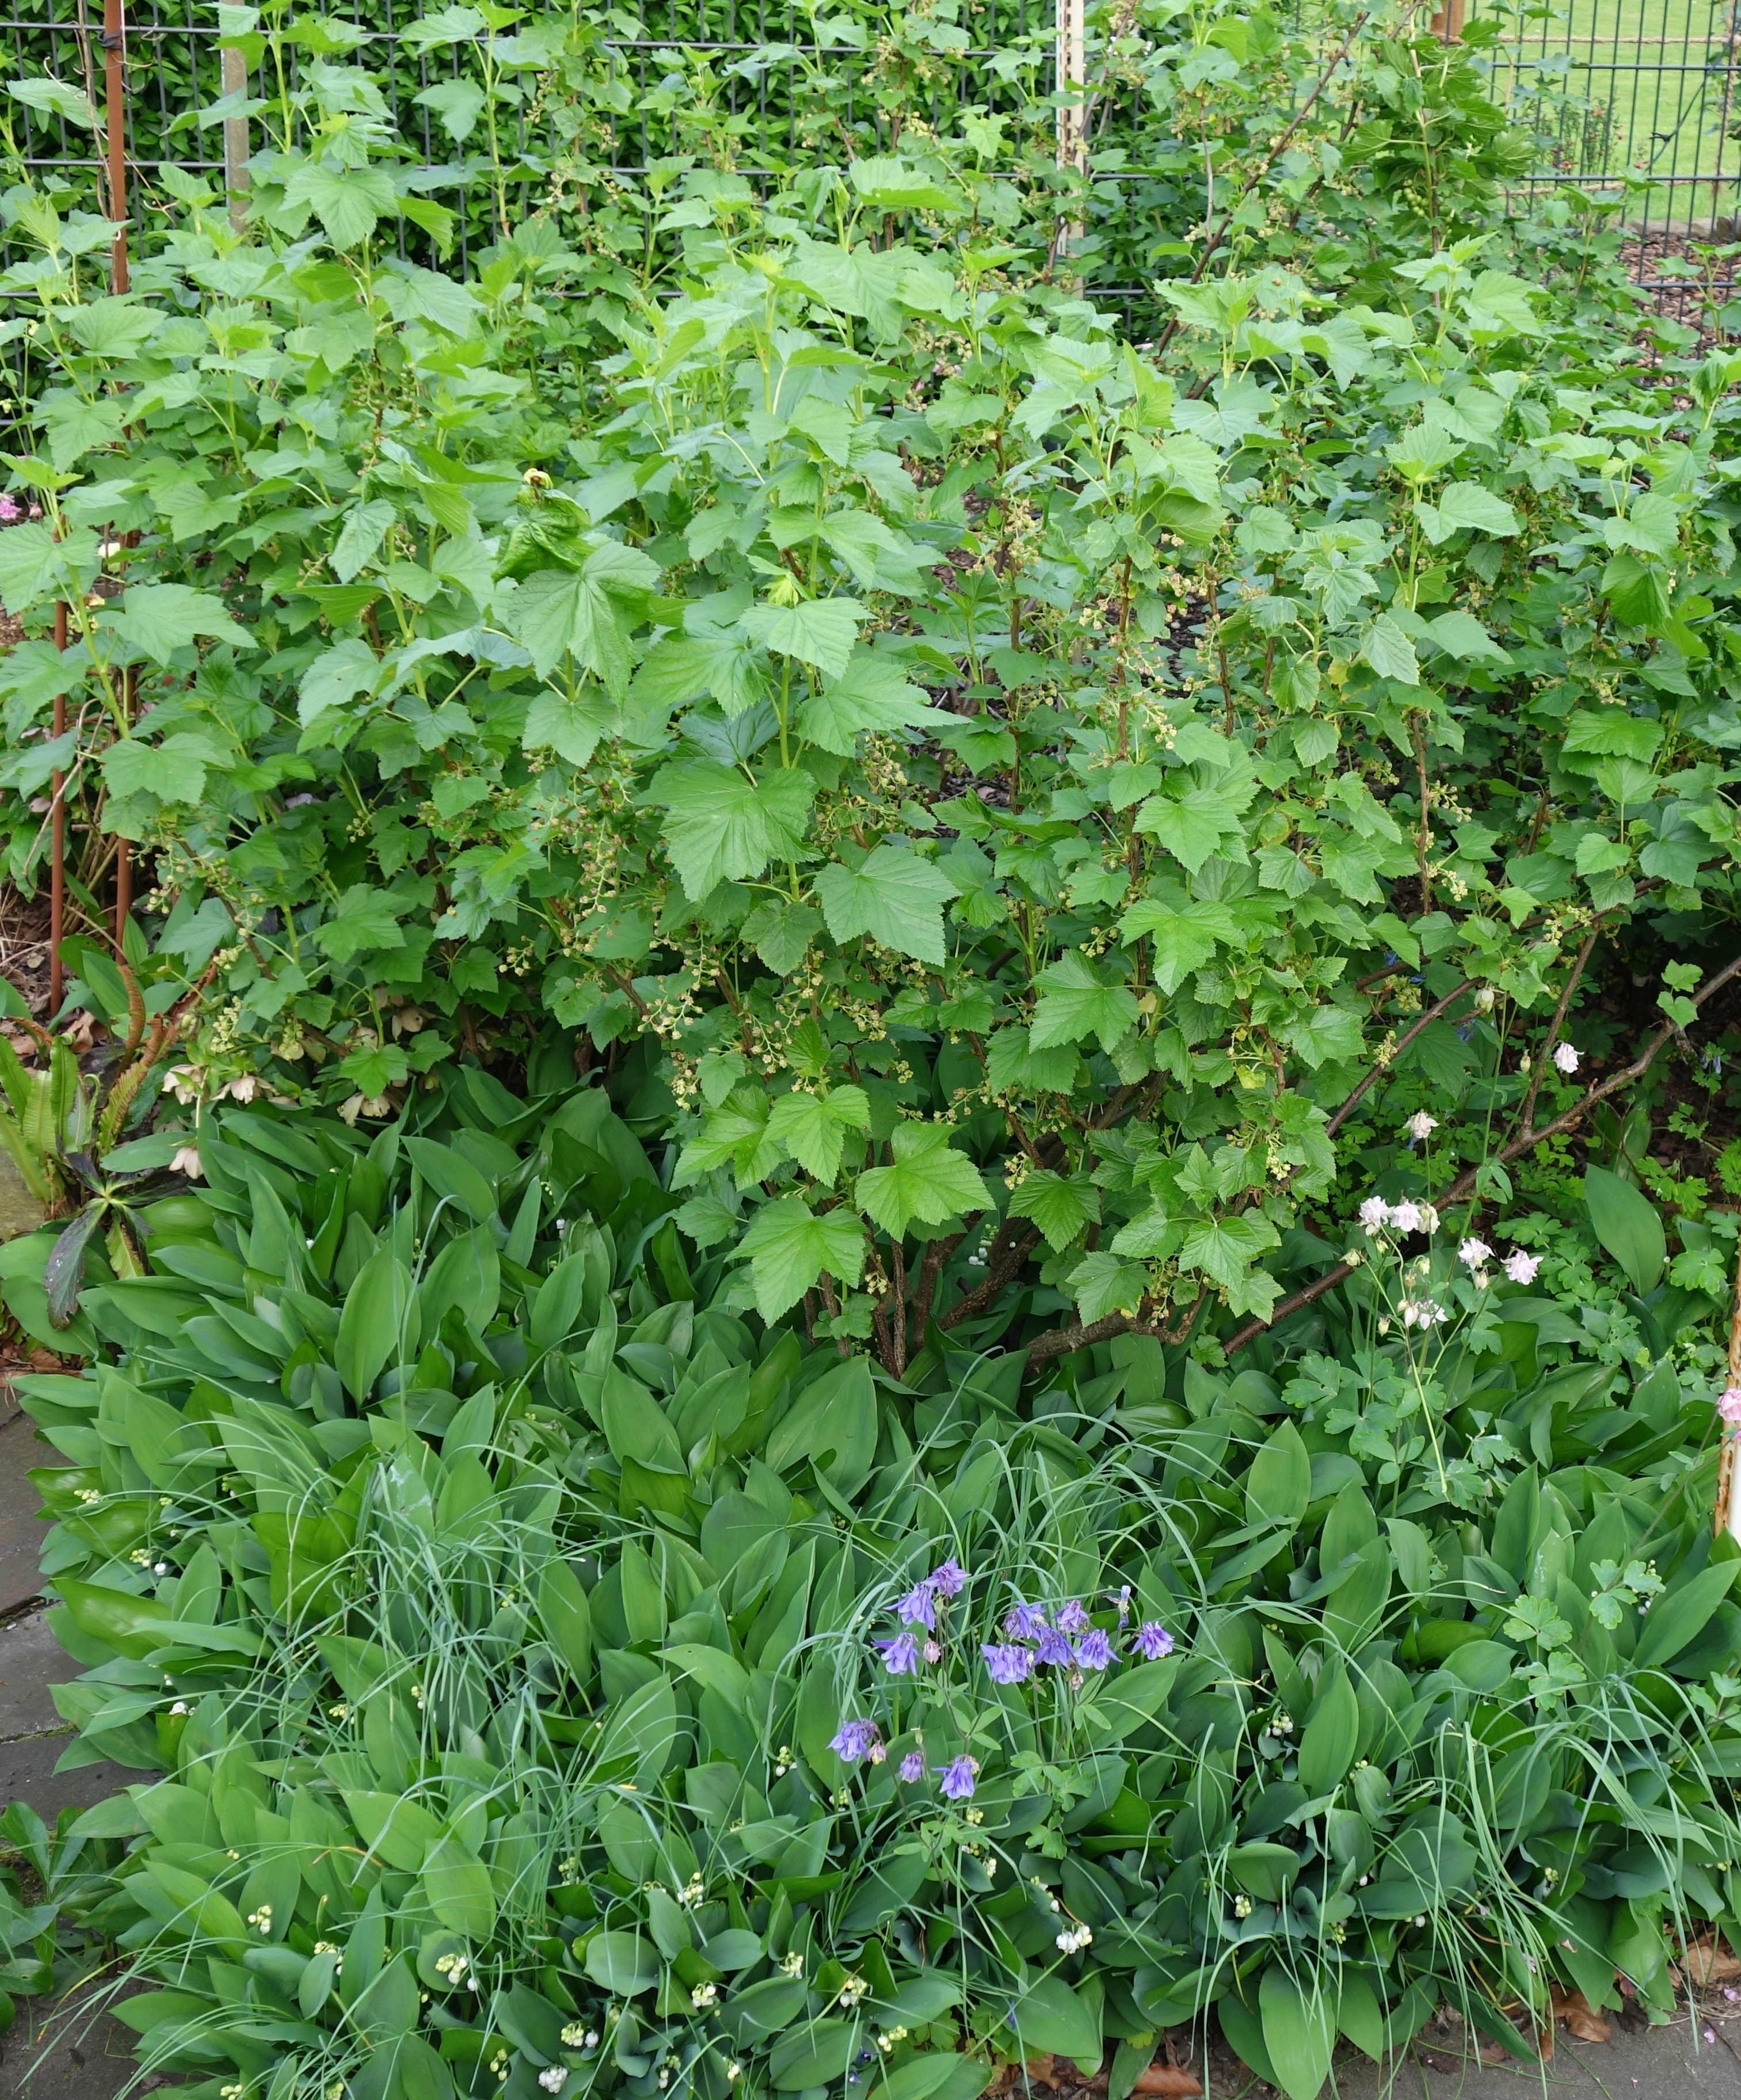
1071 65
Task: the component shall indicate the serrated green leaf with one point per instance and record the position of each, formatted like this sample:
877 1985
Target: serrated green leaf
789 1246
928 1180
895 896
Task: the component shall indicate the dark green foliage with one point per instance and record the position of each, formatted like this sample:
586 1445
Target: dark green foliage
476 1604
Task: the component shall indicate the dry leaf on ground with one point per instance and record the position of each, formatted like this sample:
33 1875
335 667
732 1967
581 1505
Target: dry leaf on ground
1171 2080
1708 1961
1582 2022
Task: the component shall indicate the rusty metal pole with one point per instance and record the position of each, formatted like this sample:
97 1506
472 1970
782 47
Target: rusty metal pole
115 120
57 865
115 86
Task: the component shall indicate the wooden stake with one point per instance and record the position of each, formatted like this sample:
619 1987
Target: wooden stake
57 863
235 78
1070 64
1728 1501
115 118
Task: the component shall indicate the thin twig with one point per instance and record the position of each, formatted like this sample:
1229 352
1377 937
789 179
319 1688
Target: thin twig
1220 234
1465 1184
1348 1106
1538 1070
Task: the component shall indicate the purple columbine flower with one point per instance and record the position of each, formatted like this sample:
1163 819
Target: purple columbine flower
1122 1599
855 1740
1154 1640
958 1779
950 1579
1024 1622
919 1607
1006 1664
912 1766
1094 1650
900 1655
1054 1649
1071 1618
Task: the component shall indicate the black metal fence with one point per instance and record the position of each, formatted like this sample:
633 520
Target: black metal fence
1636 103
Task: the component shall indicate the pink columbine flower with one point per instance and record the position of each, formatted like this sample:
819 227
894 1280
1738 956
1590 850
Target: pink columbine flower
1474 1253
1728 1406
1375 1214
1565 1058
1520 1267
1406 1217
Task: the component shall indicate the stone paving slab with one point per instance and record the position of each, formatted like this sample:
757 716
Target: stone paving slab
21 1530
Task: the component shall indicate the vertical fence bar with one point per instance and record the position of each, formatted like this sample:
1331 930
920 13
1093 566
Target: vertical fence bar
233 74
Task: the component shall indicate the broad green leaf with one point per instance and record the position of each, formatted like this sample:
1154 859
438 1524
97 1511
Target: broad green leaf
174 770
1299 2027
788 1246
1390 651
1327 1748
458 1887
1223 1248
1077 1004
458 104
363 921
366 525
588 613
1050 2018
623 1963
350 667
723 826
569 728
1062 1205
376 1310
452 1177
1676 1620
567 1618
870 696
348 201
1626 1224
928 1180
781 933
1182 940
54 97
159 618
895 896
1101 1283
822 631
1278 1485
1194 822
813 1128
936 2074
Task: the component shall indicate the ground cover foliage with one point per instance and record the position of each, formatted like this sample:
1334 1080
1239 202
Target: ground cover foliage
941 1071
543 1679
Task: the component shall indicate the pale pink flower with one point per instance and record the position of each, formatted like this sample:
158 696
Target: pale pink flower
1520 1267
1406 1217
1473 1253
1565 1058
1728 1406
187 1161
1375 1214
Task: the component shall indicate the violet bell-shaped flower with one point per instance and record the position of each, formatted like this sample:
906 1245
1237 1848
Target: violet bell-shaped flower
900 1655
1007 1664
